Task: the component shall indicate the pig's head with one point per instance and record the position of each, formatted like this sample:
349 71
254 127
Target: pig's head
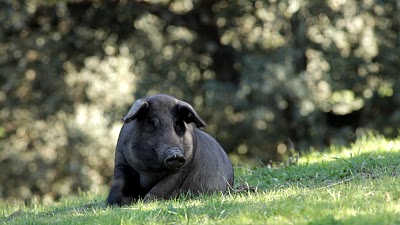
161 134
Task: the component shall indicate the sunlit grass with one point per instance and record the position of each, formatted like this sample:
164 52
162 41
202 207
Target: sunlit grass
365 144
355 185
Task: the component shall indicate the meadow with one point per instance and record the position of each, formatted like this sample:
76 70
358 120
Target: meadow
359 184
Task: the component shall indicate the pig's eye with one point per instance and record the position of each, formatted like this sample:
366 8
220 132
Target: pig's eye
152 123
180 127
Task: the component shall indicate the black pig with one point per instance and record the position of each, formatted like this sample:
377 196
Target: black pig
161 154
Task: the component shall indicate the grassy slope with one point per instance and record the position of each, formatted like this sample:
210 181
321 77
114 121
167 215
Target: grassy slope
358 185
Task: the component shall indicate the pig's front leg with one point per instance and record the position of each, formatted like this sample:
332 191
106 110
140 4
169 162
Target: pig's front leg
166 188
125 187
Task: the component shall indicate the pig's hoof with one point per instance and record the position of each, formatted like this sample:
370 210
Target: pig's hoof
149 198
126 200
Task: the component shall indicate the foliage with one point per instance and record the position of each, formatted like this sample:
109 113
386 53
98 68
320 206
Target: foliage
267 76
340 186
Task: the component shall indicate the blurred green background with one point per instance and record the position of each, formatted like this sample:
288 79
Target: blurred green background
269 77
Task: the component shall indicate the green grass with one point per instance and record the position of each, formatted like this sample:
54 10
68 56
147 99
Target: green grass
356 185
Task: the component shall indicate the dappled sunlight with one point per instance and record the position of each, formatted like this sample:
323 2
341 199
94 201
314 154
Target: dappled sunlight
344 102
270 78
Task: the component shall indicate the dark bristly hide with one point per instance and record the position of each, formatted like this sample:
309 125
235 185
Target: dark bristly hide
161 154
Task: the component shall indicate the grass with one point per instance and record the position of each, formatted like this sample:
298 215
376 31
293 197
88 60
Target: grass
355 185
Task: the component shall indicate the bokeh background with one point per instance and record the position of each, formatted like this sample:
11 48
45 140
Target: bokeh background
269 77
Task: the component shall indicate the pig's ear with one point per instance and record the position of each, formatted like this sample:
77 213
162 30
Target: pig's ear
138 106
188 114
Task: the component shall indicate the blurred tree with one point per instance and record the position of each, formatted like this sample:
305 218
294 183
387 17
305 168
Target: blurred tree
264 74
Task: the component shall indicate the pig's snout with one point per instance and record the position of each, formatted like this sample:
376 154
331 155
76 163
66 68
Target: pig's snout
174 158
